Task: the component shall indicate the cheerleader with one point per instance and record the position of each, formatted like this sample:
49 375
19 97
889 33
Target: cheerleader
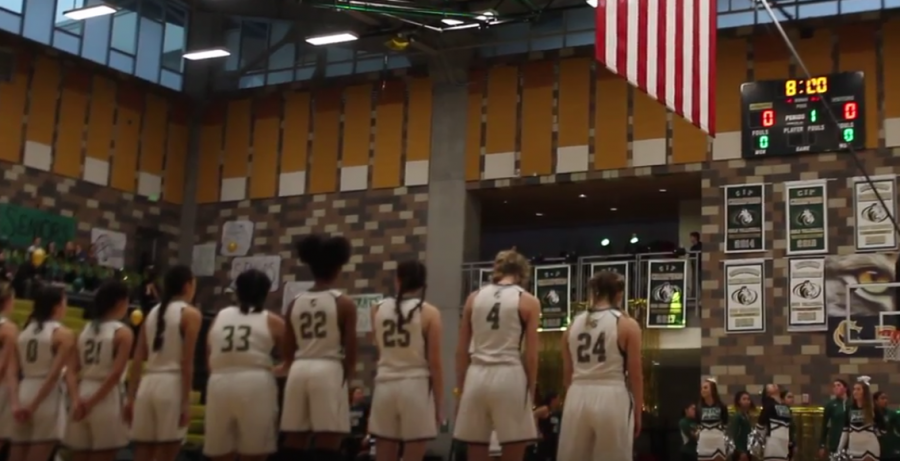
863 424
739 426
774 424
890 439
788 398
712 418
688 429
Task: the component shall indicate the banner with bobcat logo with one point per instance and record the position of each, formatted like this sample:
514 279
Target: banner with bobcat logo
874 230
553 288
745 307
666 288
745 213
806 217
806 298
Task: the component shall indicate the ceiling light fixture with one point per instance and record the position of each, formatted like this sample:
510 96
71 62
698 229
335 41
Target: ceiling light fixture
452 22
93 11
330 39
613 209
539 214
604 242
471 25
581 196
634 239
662 190
486 16
210 53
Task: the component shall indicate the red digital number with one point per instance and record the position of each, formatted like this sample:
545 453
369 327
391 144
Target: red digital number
850 110
768 118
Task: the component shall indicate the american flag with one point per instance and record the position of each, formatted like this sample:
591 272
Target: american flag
667 49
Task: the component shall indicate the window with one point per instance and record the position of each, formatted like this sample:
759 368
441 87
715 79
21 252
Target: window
254 42
12 5
233 43
152 9
125 25
283 57
174 39
64 23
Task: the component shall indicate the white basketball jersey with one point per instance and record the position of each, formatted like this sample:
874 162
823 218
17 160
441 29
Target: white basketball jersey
594 347
239 341
168 357
497 327
96 350
36 349
314 318
402 349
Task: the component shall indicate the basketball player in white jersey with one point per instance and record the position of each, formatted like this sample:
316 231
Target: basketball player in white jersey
95 431
158 406
496 384
320 336
9 334
602 371
44 348
409 381
241 394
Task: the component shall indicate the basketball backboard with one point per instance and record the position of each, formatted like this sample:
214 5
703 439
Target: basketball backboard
888 320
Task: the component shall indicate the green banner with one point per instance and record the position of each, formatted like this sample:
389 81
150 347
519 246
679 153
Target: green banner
745 213
666 288
20 225
552 287
806 217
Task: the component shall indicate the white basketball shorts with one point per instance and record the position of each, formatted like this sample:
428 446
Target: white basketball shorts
47 422
403 410
103 428
495 398
157 409
316 398
241 413
597 423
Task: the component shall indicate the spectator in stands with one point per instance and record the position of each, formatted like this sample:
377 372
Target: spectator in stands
68 252
149 291
5 271
52 251
359 427
696 244
35 244
80 255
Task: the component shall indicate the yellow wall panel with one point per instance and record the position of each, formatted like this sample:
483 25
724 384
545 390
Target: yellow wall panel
816 53
389 137
294 150
770 58
153 139
857 44
176 153
100 120
611 118
123 174
689 143
357 125
731 72
574 106
266 132
473 127
14 95
418 121
72 109
44 94
502 94
649 117
323 169
237 139
890 47
537 119
208 181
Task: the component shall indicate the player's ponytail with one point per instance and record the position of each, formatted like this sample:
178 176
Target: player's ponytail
174 285
252 288
411 276
46 299
109 296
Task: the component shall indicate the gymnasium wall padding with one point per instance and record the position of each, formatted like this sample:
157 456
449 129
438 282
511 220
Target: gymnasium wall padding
502 94
154 134
386 170
857 52
357 125
237 139
731 72
76 88
42 105
610 122
649 117
689 143
574 103
418 119
210 154
295 145
266 136
770 58
323 172
536 156
176 153
101 118
474 125
128 131
891 67
14 95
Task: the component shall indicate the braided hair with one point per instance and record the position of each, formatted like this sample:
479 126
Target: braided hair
252 289
173 285
411 276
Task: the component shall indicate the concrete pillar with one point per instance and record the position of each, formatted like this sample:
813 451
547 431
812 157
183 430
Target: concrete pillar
472 239
447 215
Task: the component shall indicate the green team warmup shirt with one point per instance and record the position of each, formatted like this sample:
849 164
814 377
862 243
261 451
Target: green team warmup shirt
739 431
890 441
689 441
833 424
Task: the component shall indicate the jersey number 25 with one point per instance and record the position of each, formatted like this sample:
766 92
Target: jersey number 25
589 348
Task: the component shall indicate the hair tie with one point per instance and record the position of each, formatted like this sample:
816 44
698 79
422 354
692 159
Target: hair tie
711 380
864 380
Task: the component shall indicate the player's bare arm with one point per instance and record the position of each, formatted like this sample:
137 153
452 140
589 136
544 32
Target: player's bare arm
122 342
462 347
9 334
347 317
370 336
190 327
566 360
630 341
73 369
530 308
431 321
64 342
289 346
276 329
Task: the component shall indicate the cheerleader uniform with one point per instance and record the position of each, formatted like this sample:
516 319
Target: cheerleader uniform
711 422
860 438
774 424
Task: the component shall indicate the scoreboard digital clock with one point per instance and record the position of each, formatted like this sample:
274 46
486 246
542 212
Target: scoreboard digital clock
786 117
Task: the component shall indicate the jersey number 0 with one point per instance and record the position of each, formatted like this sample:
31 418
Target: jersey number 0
589 349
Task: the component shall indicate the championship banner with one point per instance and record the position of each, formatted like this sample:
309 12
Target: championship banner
552 286
484 277
806 298
622 268
666 288
874 230
806 217
745 306
745 216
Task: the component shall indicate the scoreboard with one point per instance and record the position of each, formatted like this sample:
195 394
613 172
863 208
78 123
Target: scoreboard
787 117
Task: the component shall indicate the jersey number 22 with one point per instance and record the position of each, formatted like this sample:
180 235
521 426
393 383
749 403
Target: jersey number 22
589 348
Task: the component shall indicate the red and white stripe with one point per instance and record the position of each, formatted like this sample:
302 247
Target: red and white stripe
667 49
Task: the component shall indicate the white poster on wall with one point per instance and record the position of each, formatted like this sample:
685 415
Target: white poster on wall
364 305
806 298
203 261
109 247
237 236
874 230
271 265
745 297
291 290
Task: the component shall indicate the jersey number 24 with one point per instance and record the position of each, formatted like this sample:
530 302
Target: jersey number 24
590 349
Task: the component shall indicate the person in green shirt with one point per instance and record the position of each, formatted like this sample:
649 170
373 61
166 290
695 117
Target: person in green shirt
890 440
833 420
788 398
739 426
688 428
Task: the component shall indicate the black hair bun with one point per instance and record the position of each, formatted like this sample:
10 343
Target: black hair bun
309 249
338 248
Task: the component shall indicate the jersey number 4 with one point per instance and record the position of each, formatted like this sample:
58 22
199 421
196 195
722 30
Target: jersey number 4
394 335
312 325
590 349
237 339
493 317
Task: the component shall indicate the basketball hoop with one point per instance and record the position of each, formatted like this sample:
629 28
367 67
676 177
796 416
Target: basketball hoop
891 346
